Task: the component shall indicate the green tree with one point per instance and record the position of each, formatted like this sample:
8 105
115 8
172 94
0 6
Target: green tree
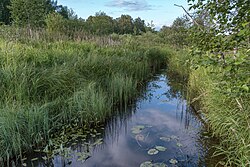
229 24
29 13
139 26
55 23
5 12
125 24
213 46
66 12
180 28
100 24
178 33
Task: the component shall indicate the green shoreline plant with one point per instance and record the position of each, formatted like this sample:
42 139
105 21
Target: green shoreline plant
45 85
218 96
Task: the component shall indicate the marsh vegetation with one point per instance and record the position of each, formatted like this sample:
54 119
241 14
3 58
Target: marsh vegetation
60 73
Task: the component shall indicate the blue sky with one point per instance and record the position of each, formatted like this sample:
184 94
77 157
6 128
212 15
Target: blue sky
162 12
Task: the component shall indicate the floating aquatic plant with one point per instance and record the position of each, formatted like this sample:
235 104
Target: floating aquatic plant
166 139
161 148
137 129
146 164
179 144
159 165
173 161
153 151
150 164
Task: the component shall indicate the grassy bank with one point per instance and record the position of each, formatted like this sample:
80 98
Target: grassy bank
45 85
220 97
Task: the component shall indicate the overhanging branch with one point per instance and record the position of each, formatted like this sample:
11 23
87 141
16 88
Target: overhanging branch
195 22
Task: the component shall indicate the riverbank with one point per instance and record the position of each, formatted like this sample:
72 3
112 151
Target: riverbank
212 91
45 85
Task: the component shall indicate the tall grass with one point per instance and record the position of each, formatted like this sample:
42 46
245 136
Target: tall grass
227 116
44 85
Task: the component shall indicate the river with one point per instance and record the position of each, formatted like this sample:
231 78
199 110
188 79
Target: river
159 129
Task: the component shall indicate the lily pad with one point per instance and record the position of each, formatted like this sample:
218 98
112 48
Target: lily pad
167 139
153 151
136 131
179 144
174 137
146 164
161 148
140 127
173 161
139 137
159 165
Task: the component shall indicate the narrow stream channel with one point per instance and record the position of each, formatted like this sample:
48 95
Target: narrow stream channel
158 130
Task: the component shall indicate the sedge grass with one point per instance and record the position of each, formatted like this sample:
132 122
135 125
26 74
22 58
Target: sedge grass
45 85
228 117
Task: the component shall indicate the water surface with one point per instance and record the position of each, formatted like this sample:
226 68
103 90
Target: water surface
159 117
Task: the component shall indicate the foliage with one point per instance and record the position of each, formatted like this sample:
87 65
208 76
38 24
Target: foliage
55 23
229 24
28 13
219 73
178 33
45 85
100 24
125 24
40 13
229 29
5 12
139 26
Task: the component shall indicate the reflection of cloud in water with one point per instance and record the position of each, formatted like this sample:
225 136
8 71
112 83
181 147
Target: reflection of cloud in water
167 117
166 124
119 154
158 118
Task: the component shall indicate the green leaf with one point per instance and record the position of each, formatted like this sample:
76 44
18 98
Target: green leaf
161 148
167 139
245 24
179 144
174 137
245 88
159 165
136 131
153 151
173 161
146 164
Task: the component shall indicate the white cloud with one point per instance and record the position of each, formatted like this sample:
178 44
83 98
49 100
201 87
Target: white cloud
130 5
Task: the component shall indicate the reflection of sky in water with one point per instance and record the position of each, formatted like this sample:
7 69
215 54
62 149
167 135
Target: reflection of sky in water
166 118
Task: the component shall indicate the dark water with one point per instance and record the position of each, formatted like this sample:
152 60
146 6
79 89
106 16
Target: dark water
159 118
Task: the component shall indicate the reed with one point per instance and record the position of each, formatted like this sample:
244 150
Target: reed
47 84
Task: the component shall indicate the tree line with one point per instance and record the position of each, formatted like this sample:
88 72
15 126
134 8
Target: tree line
48 14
